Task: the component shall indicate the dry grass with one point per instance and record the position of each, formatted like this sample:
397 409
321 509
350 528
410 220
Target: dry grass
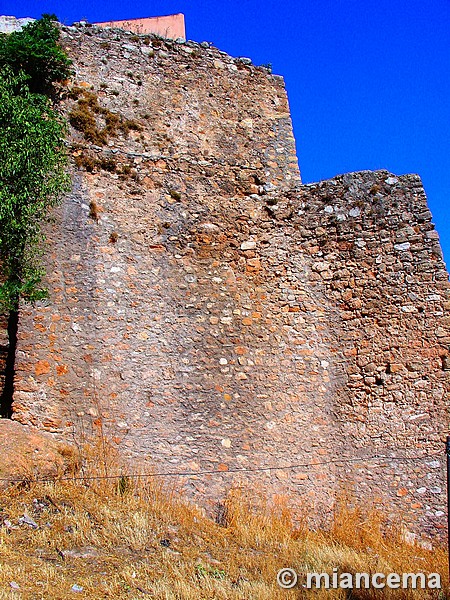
130 538
97 123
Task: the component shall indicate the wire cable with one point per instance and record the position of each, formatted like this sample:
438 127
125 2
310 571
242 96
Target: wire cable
224 472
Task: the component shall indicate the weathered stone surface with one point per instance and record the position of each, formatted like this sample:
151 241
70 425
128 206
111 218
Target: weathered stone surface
4 346
27 452
212 328
10 24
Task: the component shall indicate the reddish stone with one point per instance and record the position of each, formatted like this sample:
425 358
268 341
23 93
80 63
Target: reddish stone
42 367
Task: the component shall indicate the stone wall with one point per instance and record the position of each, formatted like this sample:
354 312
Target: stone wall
376 258
170 26
4 349
213 314
9 24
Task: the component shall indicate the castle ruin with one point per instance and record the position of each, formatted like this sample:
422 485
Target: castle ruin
217 315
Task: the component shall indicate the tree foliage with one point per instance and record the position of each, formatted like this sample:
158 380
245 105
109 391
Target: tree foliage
35 51
32 178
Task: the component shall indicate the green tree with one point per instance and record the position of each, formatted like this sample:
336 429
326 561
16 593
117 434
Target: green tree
35 51
32 173
32 178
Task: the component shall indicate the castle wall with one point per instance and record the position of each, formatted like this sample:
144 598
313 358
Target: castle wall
214 314
4 347
376 258
171 26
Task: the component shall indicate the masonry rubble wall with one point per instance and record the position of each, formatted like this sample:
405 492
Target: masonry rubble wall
214 314
4 347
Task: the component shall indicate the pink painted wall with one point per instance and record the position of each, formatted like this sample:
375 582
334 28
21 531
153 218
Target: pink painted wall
171 26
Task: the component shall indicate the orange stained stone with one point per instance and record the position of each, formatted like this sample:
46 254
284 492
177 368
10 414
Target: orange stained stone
246 321
39 327
253 264
245 446
227 397
62 369
402 492
218 388
305 351
240 350
222 467
345 245
350 352
416 505
256 315
42 367
49 422
294 309
148 183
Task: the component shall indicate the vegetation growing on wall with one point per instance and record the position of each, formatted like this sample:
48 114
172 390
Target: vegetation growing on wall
32 155
35 52
83 117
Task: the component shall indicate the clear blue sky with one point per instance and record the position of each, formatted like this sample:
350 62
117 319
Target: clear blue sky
368 80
